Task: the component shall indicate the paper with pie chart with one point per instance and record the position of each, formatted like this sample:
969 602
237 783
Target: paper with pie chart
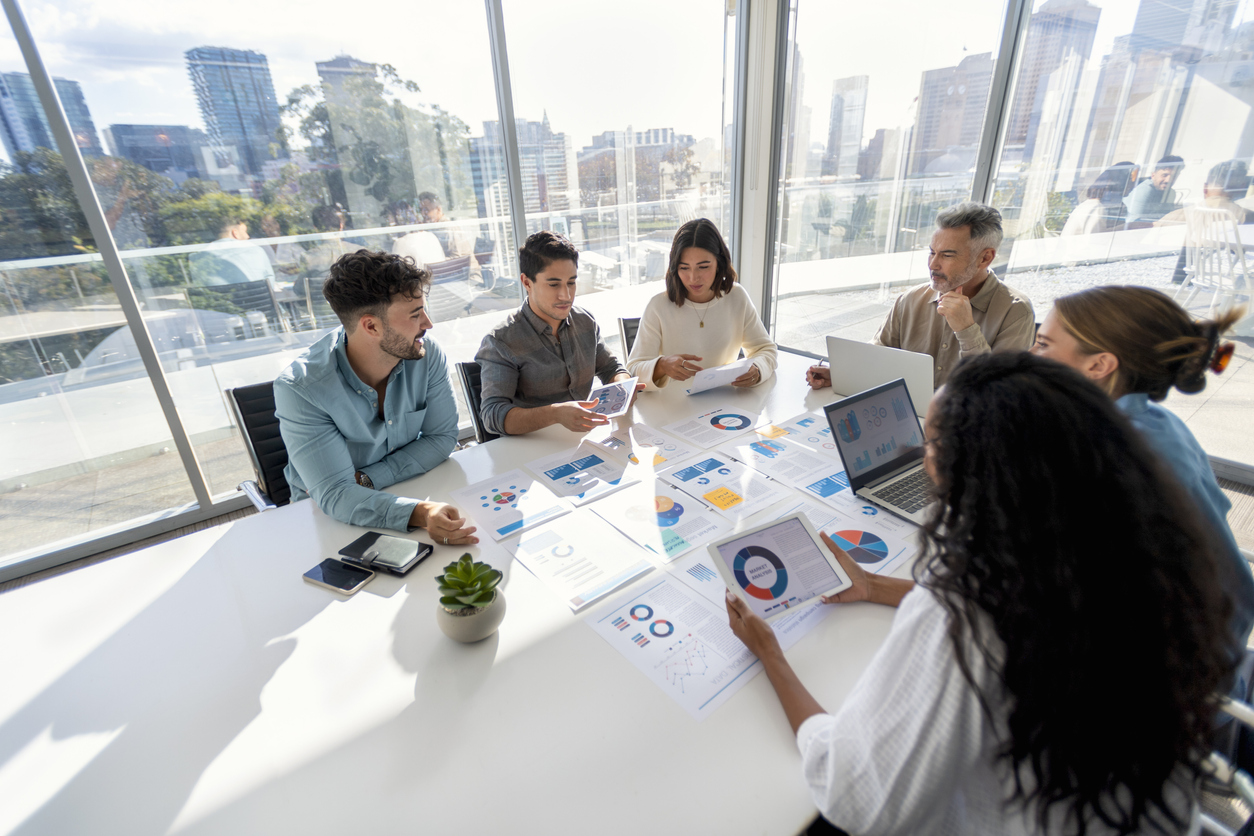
580 557
640 443
613 399
731 488
662 518
508 504
679 641
582 474
809 428
714 427
879 543
777 567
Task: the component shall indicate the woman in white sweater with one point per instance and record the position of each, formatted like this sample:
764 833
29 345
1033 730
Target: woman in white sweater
1055 669
703 319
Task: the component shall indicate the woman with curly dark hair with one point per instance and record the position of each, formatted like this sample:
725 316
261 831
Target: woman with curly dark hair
1054 669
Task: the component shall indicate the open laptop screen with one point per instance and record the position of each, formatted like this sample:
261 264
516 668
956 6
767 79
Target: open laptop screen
876 432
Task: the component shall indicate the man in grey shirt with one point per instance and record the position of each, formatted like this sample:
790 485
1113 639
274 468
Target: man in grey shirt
537 366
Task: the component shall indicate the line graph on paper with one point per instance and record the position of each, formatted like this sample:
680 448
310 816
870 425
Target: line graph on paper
685 659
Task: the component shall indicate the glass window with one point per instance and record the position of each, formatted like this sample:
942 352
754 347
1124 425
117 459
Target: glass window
237 159
86 446
879 135
617 157
1125 119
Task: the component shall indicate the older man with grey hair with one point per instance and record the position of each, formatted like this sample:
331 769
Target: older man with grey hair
964 309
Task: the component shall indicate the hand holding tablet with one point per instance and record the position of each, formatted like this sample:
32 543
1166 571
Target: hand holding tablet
778 566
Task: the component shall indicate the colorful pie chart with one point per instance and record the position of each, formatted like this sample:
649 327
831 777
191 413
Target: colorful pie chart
863 546
744 563
729 421
668 511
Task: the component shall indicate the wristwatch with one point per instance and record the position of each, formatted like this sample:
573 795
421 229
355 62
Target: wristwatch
364 480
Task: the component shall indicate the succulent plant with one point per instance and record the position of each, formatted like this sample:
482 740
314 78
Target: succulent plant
467 583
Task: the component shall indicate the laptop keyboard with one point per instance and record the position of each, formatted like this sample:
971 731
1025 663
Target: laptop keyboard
909 494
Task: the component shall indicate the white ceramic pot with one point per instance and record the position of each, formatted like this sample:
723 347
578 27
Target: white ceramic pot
472 625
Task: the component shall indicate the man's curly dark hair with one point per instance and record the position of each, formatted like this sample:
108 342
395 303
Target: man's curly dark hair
365 282
1058 526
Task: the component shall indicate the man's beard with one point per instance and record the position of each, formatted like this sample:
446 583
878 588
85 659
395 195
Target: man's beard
948 286
398 347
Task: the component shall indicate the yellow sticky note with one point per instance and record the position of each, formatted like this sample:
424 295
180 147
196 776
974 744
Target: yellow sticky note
771 431
723 498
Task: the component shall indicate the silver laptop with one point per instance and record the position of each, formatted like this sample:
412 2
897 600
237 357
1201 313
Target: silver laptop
857 366
880 441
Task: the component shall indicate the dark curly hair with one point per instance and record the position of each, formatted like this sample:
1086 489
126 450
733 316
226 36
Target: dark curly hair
542 249
1058 527
1157 343
364 282
704 234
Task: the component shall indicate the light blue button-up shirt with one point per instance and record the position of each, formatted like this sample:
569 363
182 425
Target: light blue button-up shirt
329 419
1174 443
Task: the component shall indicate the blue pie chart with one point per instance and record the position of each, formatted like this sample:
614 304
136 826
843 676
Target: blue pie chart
742 576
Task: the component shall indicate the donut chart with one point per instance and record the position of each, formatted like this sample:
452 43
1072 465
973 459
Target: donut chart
863 546
740 563
729 421
641 612
565 550
668 511
661 628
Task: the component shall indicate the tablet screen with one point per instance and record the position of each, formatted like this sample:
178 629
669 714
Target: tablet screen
778 567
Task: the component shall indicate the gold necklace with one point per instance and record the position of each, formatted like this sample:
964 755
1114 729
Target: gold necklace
701 316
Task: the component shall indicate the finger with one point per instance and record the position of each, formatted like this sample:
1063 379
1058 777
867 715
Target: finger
690 357
587 404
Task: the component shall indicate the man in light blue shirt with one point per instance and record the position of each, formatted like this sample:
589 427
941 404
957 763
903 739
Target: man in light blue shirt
370 404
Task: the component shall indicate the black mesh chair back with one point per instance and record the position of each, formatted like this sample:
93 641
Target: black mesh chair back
627 328
473 386
236 299
254 410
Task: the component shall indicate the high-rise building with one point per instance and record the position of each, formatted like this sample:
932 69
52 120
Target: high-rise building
339 76
1168 26
844 132
550 177
951 113
237 102
1059 29
25 126
172 150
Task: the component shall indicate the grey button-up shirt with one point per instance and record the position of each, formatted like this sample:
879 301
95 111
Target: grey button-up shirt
523 363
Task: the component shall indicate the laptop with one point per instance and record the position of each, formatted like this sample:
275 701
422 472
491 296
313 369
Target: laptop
880 441
857 366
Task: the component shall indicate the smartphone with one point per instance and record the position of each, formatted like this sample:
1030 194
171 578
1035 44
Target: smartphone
338 576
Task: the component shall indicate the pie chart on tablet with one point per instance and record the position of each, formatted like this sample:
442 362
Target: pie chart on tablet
863 546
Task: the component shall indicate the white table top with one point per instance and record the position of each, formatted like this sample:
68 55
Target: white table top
201 686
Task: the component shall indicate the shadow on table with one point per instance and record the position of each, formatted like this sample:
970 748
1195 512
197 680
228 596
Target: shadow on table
180 681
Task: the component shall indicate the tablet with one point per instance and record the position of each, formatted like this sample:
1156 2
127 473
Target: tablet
778 566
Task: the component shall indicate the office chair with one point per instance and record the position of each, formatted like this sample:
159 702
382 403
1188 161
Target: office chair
627 328
473 387
253 407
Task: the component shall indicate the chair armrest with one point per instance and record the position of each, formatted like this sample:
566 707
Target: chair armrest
259 500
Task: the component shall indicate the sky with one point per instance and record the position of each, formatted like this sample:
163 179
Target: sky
593 67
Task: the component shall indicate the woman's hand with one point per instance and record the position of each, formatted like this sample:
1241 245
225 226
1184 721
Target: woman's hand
878 589
750 378
677 366
749 627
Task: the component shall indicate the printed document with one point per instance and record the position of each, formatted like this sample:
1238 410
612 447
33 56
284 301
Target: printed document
725 484
581 558
715 426
662 518
782 459
581 474
507 504
641 443
718 376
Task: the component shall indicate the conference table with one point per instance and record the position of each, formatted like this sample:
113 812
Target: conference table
200 686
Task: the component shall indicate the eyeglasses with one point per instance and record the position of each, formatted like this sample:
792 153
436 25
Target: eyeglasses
1222 357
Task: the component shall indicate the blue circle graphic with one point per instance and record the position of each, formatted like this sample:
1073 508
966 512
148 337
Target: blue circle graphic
657 628
641 612
742 577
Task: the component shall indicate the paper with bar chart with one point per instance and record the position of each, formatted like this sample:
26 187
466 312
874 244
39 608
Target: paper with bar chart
715 426
733 489
662 518
581 474
581 558
880 542
782 459
642 444
508 504
809 428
